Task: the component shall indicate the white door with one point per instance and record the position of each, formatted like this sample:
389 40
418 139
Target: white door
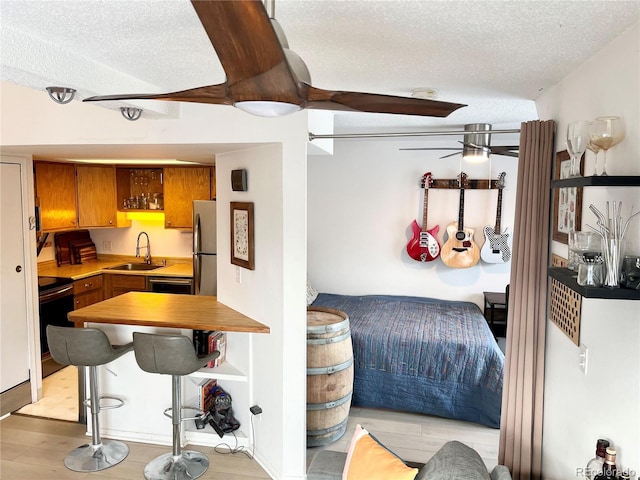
14 339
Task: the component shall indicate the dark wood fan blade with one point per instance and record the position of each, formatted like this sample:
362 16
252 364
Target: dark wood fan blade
215 94
249 51
375 103
432 148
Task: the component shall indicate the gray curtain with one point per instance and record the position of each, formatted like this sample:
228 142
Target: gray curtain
522 400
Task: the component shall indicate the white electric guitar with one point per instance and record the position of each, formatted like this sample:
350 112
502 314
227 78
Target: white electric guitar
497 247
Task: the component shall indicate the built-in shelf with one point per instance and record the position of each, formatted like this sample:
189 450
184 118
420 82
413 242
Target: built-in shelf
600 181
569 278
226 371
208 436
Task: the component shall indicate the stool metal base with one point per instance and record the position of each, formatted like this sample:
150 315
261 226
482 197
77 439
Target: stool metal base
186 466
93 458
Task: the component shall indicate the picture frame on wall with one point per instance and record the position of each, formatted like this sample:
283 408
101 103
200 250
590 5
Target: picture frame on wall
567 201
242 236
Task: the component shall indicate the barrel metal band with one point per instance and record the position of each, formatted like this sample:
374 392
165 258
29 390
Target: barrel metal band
332 327
328 405
328 340
330 369
324 431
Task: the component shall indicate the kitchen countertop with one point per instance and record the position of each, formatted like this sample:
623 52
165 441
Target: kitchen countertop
79 271
195 312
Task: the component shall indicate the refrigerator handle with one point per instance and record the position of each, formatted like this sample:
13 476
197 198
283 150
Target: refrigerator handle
196 253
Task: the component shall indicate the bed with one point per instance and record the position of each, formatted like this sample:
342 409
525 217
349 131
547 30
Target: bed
423 355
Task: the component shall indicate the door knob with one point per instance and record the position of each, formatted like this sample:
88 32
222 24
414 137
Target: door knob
19 268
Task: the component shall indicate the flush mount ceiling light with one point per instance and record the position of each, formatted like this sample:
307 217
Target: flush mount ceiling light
475 147
61 95
131 113
427 93
267 109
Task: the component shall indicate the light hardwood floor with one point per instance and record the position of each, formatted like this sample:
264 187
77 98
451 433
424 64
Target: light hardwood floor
25 440
416 437
34 448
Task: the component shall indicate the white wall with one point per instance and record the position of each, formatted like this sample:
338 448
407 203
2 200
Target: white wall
274 293
362 201
604 403
277 361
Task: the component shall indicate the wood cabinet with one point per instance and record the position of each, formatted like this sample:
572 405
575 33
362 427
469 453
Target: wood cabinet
55 185
183 185
96 189
87 291
118 284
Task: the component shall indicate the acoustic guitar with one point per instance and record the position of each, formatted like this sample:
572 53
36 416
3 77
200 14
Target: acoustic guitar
460 250
424 246
497 247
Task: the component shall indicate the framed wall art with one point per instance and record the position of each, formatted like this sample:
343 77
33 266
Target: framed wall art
567 202
242 242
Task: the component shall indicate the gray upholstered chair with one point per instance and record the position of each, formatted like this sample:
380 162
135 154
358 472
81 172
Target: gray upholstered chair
89 347
172 355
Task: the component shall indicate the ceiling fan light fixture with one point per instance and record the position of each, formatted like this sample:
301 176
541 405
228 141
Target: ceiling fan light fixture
475 148
131 113
61 95
267 108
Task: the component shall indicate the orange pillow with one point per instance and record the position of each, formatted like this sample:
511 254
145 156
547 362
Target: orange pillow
367 459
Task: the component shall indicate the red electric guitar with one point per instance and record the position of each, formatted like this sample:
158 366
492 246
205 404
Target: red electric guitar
424 246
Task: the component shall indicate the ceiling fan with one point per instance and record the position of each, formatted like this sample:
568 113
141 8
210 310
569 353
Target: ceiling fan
476 145
266 78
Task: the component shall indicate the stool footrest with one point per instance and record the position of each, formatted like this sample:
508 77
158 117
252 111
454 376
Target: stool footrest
119 402
185 407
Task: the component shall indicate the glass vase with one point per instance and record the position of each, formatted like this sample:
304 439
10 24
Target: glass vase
612 255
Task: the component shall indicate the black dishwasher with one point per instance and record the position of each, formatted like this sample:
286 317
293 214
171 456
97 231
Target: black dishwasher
183 285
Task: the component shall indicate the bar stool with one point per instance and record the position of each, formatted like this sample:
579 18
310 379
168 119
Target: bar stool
89 347
172 355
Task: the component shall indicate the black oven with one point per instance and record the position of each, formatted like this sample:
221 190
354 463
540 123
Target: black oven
56 301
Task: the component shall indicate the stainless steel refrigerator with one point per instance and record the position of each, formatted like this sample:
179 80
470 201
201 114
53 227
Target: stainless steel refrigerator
205 259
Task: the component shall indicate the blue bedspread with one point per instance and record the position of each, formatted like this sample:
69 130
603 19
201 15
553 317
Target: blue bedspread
423 355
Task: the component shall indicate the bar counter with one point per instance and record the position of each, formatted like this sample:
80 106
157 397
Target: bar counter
194 312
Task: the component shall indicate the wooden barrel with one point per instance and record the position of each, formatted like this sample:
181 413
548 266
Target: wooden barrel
329 375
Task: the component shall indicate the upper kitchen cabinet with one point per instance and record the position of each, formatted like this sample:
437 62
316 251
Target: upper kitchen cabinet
56 195
183 185
96 189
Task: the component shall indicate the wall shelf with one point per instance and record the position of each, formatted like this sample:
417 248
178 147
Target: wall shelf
568 278
600 181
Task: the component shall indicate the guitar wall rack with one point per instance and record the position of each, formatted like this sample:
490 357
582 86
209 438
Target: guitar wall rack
454 183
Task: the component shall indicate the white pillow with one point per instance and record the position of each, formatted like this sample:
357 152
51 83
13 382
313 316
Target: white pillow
312 293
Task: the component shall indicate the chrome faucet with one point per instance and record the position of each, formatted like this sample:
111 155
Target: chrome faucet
147 257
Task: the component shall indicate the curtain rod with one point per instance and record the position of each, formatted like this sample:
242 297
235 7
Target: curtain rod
313 136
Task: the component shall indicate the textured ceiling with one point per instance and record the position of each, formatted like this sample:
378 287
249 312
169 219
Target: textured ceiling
496 56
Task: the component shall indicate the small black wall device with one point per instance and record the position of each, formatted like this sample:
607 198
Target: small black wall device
239 180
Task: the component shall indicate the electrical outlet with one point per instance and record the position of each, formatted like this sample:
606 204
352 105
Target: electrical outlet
238 275
106 246
583 358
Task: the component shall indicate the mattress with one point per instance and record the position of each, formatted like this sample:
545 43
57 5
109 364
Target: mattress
423 355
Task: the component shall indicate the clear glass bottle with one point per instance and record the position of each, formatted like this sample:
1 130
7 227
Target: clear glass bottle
594 467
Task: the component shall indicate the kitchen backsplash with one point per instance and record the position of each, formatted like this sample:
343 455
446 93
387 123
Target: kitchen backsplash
122 241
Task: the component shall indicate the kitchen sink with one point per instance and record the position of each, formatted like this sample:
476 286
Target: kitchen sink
130 267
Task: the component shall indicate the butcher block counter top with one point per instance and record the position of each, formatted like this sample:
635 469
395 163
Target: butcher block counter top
195 312
84 270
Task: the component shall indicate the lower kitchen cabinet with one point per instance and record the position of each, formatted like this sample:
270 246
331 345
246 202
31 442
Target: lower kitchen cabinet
115 285
87 291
